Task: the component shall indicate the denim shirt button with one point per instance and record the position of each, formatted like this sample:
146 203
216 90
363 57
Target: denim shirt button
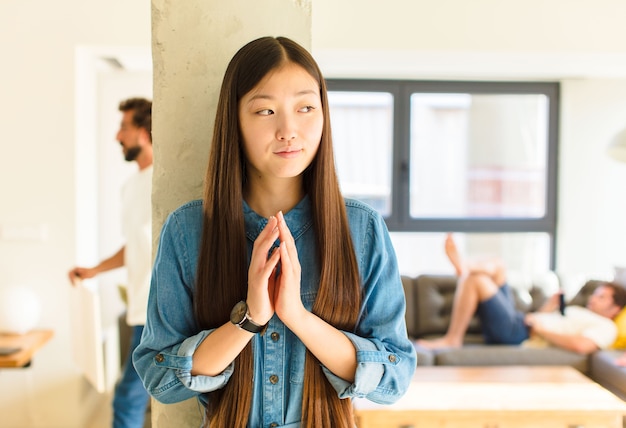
275 336
159 358
273 379
392 358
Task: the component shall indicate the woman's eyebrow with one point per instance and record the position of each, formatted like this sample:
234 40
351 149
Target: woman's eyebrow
261 96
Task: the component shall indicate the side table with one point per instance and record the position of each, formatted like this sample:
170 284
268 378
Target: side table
27 343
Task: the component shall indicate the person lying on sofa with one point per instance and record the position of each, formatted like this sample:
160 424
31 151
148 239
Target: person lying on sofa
482 289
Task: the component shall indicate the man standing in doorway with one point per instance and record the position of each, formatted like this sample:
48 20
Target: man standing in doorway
135 136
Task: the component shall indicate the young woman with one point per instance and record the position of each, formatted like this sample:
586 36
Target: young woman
274 300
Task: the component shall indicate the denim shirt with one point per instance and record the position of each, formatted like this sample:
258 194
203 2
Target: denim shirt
386 358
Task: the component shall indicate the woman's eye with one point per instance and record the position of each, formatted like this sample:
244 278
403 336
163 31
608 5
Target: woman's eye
265 112
307 109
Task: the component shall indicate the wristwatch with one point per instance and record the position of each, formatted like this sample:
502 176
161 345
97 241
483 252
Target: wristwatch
240 316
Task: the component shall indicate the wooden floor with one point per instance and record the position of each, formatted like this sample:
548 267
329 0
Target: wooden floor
103 417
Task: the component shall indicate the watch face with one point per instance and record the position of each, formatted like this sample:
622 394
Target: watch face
239 312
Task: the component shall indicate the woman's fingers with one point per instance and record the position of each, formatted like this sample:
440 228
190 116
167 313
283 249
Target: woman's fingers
287 301
260 251
287 241
261 278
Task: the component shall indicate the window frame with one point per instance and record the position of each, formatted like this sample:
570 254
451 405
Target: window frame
400 220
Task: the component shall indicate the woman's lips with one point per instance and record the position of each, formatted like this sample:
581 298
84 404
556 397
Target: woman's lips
288 154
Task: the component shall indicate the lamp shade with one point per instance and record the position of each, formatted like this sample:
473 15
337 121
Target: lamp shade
617 147
20 310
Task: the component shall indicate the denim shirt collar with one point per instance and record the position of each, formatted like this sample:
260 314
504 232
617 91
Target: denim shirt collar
299 219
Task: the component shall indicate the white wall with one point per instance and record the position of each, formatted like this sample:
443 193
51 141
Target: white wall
461 26
592 202
583 41
453 33
38 41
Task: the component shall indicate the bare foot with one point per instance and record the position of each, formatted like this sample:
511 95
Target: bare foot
453 255
440 343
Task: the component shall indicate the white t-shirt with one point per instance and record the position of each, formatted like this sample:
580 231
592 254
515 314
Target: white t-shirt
579 321
137 230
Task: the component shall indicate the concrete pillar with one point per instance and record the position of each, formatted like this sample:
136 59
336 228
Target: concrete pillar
192 42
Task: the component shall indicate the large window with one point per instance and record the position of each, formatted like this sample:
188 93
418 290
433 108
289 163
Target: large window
476 158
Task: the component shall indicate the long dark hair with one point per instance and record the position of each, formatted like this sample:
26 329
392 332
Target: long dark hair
223 264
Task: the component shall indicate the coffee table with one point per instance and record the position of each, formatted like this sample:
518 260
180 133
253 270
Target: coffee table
502 397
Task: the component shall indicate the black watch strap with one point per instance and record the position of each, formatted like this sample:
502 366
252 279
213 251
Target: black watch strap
249 325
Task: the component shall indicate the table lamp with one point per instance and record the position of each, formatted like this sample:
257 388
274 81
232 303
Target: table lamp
20 310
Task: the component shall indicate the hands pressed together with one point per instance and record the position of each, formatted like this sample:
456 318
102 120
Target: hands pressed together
274 275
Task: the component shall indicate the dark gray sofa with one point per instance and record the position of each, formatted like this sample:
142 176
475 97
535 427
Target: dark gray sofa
429 304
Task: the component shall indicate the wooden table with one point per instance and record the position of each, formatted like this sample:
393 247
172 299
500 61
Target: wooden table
497 397
28 343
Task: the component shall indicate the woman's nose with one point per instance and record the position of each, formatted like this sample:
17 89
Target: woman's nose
286 130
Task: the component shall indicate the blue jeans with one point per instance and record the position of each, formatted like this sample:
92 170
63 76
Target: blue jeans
130 399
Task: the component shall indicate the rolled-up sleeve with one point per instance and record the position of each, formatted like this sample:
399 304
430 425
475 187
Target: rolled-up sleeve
164 356
386 358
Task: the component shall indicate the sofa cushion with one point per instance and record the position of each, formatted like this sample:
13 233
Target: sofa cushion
508 355
425 357
607 373
411 303
433 297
